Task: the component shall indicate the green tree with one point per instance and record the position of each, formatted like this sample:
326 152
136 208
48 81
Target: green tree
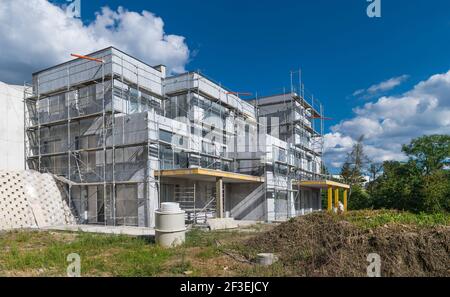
354 166
374 170
421 184
436 191
359 198
346 173
399 187
431 152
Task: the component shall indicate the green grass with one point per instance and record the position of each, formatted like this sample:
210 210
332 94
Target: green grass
33 253
45 253
197 237
376 218
39 253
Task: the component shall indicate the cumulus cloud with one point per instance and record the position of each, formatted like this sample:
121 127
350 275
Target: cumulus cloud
391 121
381 87
36 33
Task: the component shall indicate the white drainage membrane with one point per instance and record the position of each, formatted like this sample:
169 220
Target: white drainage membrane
29 199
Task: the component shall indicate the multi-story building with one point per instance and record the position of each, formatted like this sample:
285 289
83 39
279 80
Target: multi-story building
125 137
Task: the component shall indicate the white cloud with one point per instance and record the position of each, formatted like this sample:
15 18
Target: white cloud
358 92
35 34
381 87
391 121
388 84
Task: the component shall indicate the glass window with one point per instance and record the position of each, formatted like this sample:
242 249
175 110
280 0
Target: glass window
165 136
166 157
134 101
281 169
181 160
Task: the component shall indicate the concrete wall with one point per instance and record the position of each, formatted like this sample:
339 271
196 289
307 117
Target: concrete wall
246 201
11 127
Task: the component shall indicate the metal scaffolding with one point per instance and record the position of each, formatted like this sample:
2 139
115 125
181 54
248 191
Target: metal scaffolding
105 123
87 159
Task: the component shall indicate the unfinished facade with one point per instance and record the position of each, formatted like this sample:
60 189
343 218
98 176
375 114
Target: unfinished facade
125 137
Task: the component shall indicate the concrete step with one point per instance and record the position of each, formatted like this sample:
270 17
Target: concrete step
222 223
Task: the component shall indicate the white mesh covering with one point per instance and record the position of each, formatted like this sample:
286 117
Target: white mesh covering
29 199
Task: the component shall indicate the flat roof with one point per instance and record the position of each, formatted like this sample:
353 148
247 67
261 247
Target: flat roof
93 53
281 98
207 78
203 174
322 184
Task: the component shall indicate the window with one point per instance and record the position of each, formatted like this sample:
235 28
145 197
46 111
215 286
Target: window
279 154
166 157
134 101
282 155
309 165
165 136
281 169
54 105
181 160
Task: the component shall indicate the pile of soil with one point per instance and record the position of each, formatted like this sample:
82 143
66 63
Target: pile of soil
323 244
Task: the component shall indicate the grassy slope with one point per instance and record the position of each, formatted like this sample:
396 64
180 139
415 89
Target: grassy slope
375 218
31 253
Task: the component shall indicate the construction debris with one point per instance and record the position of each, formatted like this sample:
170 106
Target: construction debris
266 259
222 223
323 244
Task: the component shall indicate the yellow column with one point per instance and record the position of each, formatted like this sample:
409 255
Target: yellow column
330 198
345 199
336 198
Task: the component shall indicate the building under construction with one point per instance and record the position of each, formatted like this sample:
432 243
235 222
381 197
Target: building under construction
124 136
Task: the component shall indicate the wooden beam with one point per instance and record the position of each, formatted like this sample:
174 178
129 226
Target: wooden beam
323 184
209 172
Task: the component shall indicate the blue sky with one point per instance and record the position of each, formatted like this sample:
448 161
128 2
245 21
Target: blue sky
383 77
252 45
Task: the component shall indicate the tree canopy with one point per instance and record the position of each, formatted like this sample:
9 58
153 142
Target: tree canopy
431 152
421 184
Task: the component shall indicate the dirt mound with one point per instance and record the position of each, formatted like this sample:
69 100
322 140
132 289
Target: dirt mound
327 245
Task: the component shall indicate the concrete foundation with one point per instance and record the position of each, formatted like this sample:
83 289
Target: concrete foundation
222 223
118 230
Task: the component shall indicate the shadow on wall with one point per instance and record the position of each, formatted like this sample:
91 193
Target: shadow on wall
247 201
